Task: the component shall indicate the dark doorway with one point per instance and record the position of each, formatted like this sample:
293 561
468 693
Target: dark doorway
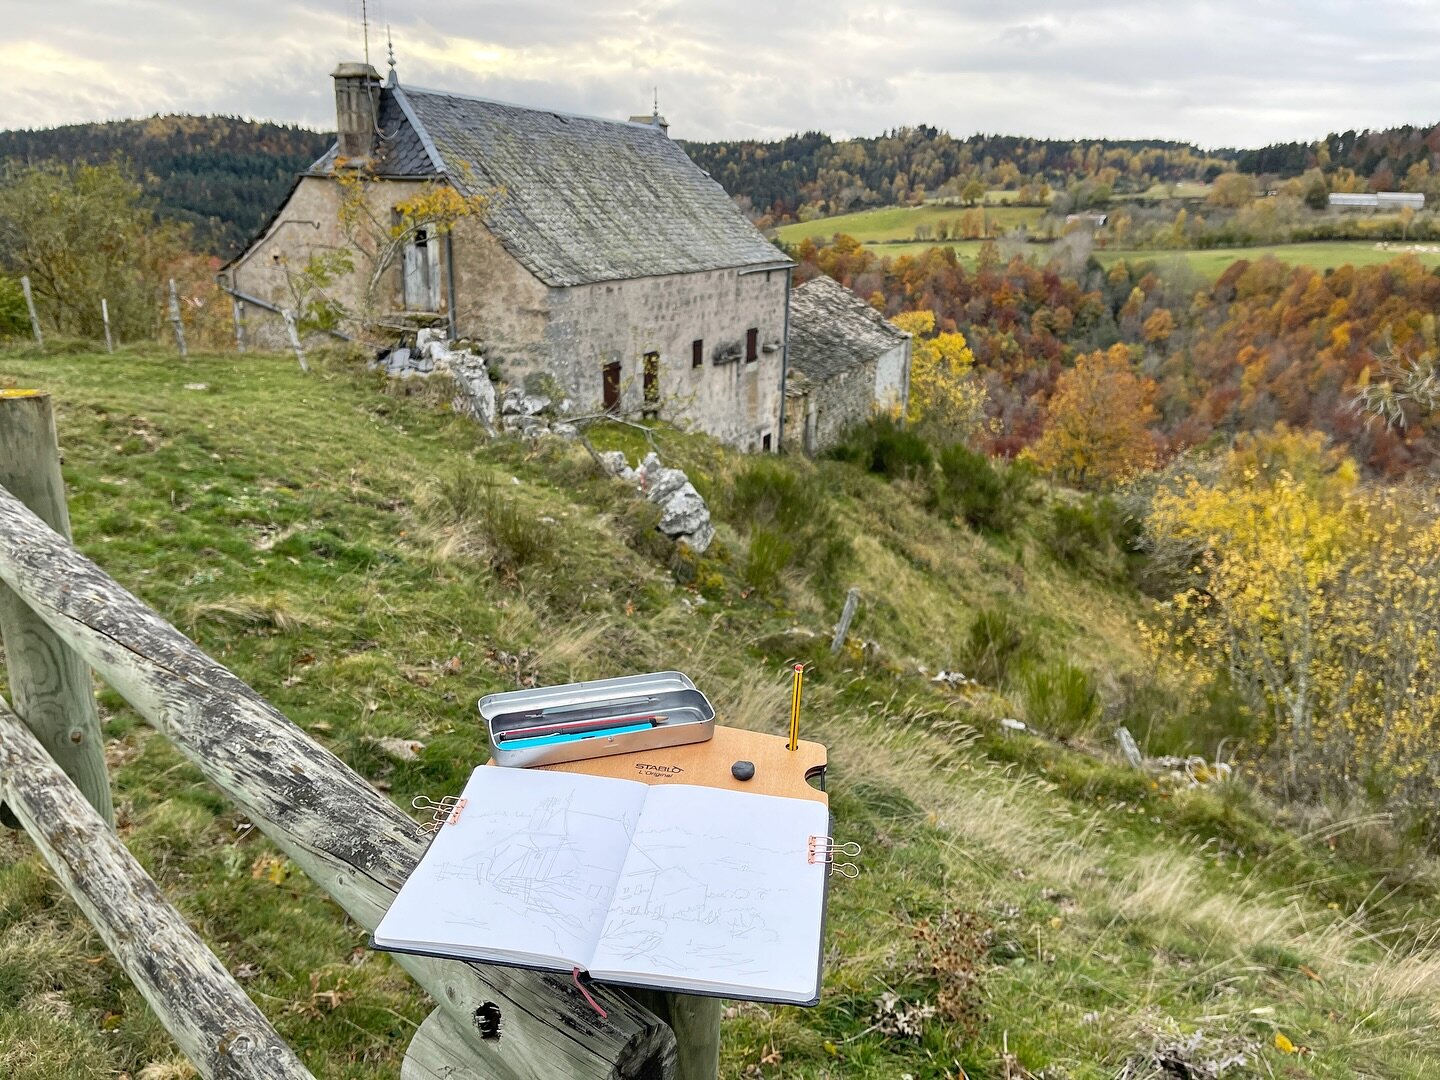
652 385
611 387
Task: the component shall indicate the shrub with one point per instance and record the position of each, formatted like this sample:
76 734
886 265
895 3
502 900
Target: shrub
1060 699
1092 535
994 644
14 320
789 519
1213 723
882 446
770 553
469 500
989 497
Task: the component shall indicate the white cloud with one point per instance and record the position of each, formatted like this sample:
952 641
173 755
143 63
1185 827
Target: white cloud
1216 72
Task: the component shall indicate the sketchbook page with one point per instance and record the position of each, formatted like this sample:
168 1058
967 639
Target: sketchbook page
526 874
718 895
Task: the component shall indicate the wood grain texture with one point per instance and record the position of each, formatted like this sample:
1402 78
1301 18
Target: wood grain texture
778 771
50 686
352 841
211 1019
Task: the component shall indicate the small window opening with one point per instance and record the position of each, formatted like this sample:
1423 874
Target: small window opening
697 353
610 386
651 379
752 345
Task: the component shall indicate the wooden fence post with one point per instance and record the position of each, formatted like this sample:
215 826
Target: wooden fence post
30 307
351 840
211 1019
105 315
696 1023
290 328
852 601
50 685
175 321
238 310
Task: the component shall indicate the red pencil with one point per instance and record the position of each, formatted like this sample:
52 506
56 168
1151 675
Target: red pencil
595 723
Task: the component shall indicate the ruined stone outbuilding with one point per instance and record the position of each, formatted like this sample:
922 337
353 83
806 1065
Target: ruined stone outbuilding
847 362
606 260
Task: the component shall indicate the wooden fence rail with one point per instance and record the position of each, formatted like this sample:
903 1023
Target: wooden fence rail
213 1021
352 841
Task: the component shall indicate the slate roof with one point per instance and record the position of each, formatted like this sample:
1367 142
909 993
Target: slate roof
833 330
575 199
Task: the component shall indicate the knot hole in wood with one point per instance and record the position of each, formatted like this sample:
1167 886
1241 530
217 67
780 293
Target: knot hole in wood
487 1020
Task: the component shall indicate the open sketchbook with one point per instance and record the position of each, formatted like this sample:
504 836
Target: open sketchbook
673 886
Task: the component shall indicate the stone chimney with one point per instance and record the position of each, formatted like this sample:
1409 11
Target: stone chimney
654 120
357 97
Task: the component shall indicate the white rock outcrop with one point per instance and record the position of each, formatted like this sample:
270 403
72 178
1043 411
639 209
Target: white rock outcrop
432 355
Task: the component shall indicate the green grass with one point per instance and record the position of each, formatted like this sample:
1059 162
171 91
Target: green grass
898 223
1321 255
1209 263
329 543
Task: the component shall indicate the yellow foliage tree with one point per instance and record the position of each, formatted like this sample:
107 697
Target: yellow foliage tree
1319 599
1159 326
1097 421
946 399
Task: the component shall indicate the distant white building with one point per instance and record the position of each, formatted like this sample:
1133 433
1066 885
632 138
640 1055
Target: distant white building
1378 200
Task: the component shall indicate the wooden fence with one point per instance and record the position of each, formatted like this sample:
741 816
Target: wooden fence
59 612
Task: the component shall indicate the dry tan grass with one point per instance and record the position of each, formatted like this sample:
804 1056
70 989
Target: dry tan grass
277 612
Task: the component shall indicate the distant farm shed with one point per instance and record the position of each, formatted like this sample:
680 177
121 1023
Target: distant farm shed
1377 200
607 259
847 362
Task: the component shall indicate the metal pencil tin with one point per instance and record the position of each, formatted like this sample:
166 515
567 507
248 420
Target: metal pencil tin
660 709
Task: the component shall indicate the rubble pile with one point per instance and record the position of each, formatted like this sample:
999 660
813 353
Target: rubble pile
683 513
465 367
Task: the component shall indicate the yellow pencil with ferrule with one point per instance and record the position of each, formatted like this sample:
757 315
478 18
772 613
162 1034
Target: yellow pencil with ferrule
795 707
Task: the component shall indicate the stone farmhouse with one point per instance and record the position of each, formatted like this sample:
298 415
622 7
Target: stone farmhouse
846 362
607 259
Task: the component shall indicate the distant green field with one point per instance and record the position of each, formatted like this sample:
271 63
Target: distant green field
1322 255
1210 263
1184 189
893 223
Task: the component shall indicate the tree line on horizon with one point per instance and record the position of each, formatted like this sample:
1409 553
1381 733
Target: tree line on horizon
220 175
223 175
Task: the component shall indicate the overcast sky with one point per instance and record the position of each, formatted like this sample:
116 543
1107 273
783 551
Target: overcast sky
1222 73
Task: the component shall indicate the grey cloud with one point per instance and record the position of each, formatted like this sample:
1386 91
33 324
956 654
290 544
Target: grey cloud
1217 72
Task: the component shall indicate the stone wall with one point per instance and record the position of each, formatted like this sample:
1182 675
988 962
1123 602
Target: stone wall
308 224
819 414
727 396
573 333
892 377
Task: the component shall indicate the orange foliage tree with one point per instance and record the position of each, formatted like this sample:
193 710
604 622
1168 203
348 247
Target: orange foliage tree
1097 423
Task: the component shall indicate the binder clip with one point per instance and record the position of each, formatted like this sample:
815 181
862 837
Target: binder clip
444 812
824 849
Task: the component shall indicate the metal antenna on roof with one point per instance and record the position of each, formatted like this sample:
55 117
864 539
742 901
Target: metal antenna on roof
365 28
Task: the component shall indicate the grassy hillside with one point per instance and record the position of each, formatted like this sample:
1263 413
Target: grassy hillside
1028 907
898 223
1211 262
